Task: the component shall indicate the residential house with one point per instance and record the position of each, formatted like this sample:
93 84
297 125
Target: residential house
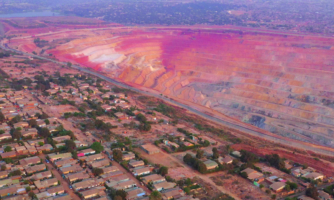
134 193
277 186
314 176
10 154
136 163
21 150
31 132
154 178
65 162
93 192
225 160
94 157
86 152
53 157
21 125
30 161
5 136
4 127
109 169
139 171
110 175
150 148
8 191
173 193
61 138
128 156
53 191
100 163
210 164
85 184
324 196
35 168
71 169
304 197
121 116
40 176
122 185
236 154
253 175
77 176
46 183
41 123
163 185
8 182
44 148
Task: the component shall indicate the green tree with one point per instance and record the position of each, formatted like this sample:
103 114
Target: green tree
312 192
40 143
292 185
69 64
140 117
206 143
200 154
117 155
187 158
215 153
244 175
3 167
97 147
32 195
47 121
118 197
287 188
44 132
33 123
16 172
17 134
248 157
163 170
121 193
70 145
155 195
275 161
2 117
145 126
201 167
8 149
28 189
97 171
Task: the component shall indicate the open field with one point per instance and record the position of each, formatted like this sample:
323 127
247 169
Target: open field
159 158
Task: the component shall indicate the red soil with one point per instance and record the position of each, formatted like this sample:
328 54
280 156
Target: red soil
321 166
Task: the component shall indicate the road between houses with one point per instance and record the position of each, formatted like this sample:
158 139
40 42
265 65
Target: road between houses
228 123
57 175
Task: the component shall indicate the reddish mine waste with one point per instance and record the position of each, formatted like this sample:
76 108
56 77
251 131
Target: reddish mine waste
278 82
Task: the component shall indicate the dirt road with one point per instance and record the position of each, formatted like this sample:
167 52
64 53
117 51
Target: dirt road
205 178
130 175
60 178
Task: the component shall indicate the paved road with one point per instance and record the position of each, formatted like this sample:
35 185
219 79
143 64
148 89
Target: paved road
226 123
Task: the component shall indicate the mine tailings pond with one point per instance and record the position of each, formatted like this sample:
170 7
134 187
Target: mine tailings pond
46 13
